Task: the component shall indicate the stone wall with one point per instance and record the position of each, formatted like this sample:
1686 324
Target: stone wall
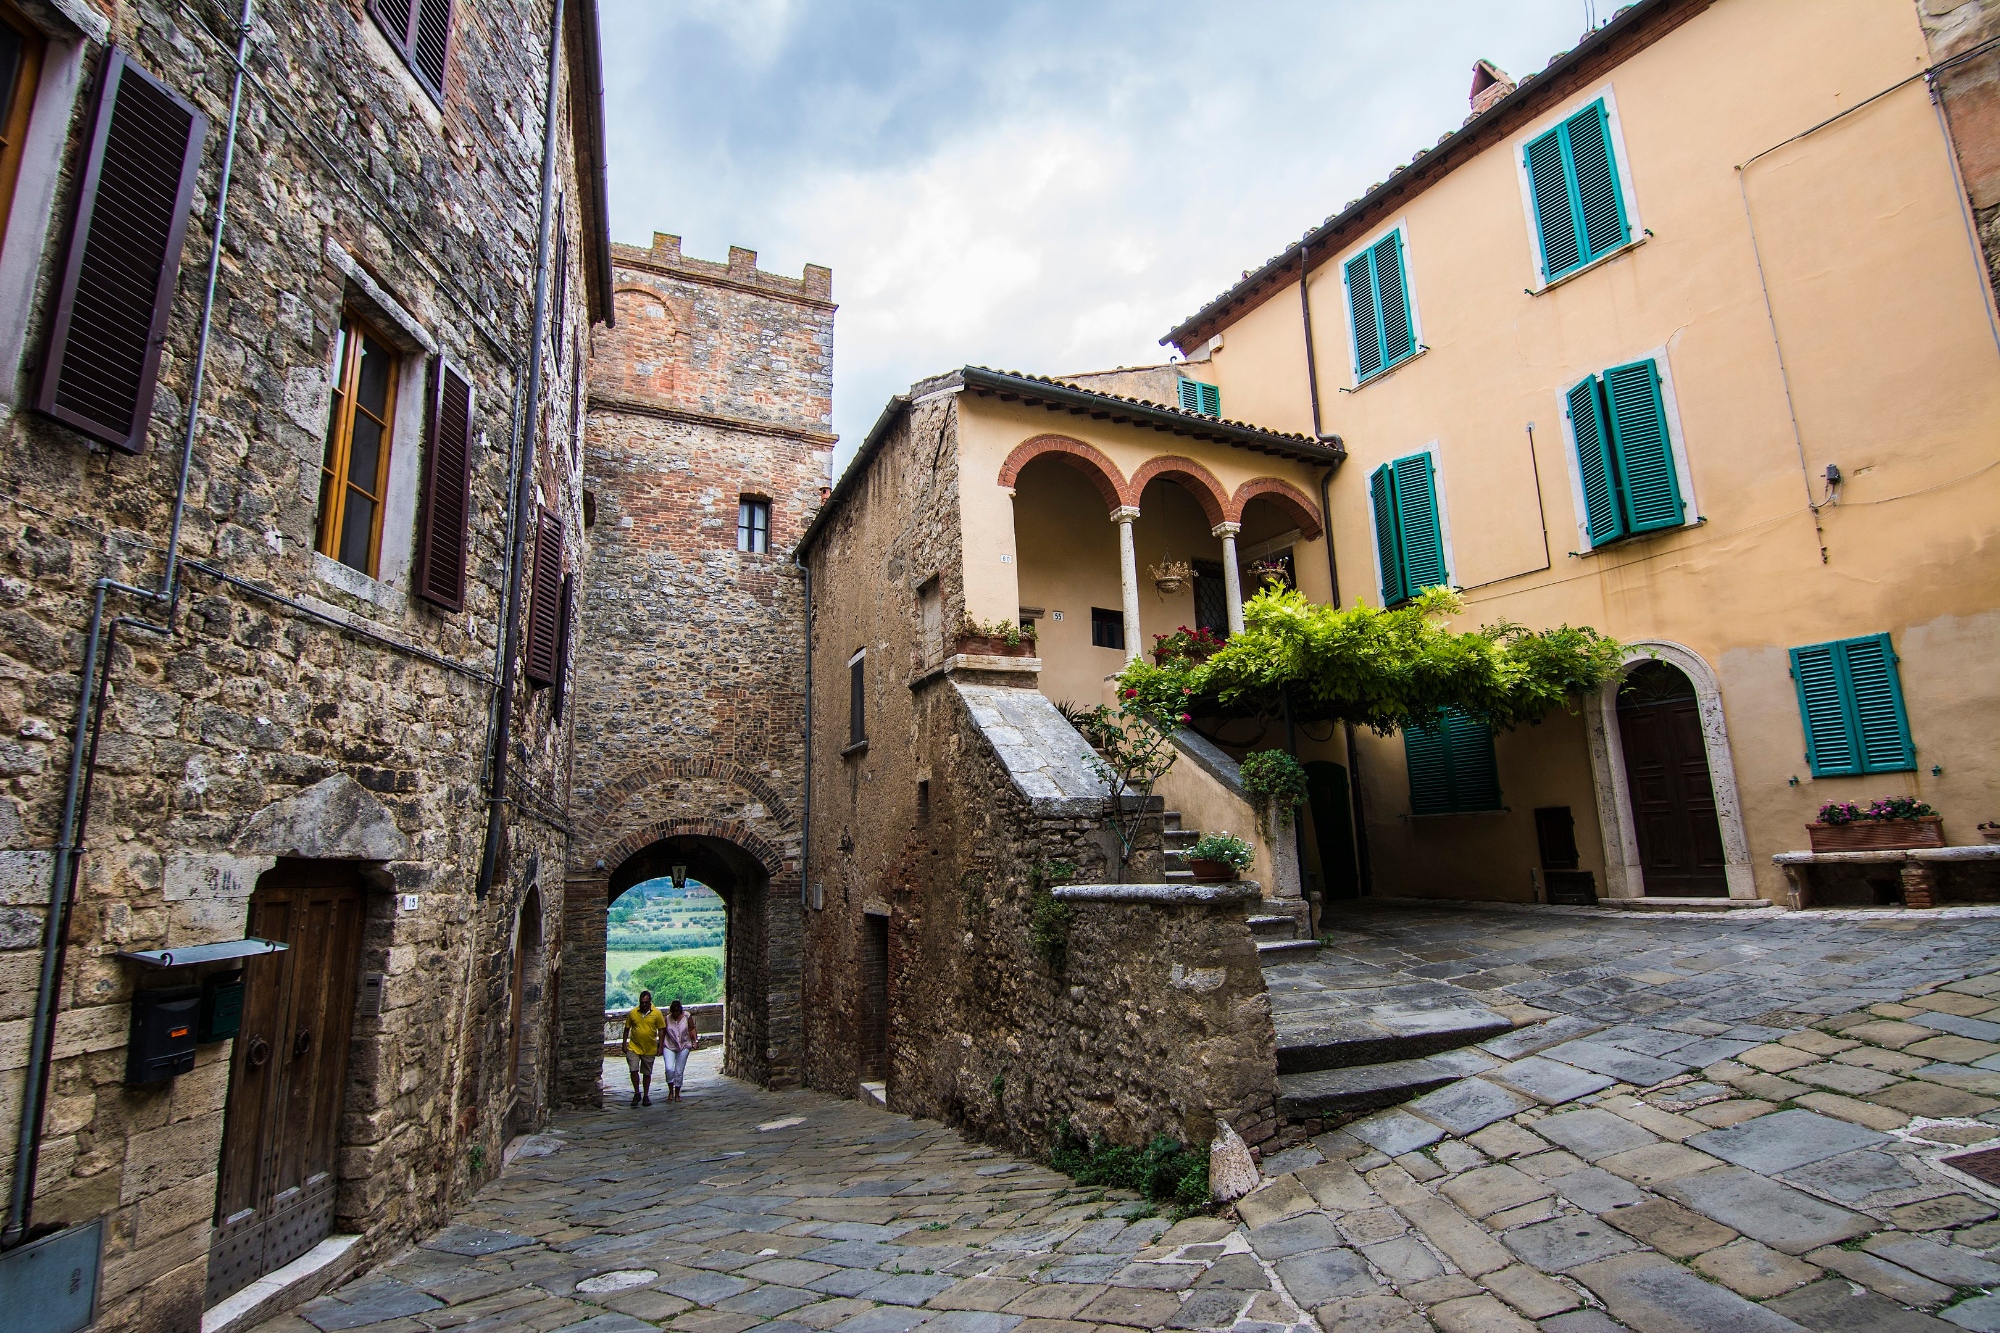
1970 91
969 798
285 672
715 384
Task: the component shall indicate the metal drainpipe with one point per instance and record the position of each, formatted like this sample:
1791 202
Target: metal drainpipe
503 726
62 881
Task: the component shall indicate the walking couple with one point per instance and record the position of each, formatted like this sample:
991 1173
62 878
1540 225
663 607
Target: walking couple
648 1033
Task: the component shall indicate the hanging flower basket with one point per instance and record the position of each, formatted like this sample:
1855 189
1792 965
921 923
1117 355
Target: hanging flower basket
1271 572
1171 575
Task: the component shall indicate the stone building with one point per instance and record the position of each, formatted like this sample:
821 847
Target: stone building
298 512
707 449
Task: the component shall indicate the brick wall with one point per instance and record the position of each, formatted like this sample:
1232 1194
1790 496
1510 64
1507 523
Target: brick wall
1971 97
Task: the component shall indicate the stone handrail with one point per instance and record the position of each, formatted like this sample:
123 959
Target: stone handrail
1163 895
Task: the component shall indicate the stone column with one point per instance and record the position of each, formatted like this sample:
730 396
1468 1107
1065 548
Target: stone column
1128 577
1232 582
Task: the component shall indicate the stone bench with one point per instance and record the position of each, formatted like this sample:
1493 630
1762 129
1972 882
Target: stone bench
1926 876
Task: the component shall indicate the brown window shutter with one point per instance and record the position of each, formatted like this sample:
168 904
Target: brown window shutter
122 258
545 601
445 505
564 619
421 31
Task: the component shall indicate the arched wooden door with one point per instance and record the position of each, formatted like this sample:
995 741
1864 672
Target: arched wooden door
1666 775
287 1074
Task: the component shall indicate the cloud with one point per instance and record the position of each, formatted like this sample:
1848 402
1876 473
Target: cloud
1041 186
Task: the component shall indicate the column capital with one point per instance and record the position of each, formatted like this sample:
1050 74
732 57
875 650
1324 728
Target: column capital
1225 530
1124 513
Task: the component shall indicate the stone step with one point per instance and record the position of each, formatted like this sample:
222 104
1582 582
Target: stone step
1269 950
1686 904
1276 926
874 1093
1360 1087
1328 1028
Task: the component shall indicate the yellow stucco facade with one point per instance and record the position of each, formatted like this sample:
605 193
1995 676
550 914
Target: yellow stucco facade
1802 272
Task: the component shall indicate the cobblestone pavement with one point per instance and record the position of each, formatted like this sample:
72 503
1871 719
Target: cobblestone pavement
1669 1170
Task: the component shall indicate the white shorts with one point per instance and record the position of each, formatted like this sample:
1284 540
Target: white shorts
639 1064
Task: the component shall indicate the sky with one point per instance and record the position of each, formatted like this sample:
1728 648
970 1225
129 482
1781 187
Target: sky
1030 185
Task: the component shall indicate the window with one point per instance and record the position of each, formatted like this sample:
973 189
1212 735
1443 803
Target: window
753 525
1199 397
1409 540
559 312
1452 770
1852 703
1107 628
857 700
1579 208
1378 307
1624 454
420 30
930 616
1211 599
123 257
565 615
21 48
543 660
355 471
444 507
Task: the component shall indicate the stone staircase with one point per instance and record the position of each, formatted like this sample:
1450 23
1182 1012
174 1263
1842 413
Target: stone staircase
1282 926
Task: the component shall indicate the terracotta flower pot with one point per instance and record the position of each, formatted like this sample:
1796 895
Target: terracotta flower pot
1211 872
986 645
1878 835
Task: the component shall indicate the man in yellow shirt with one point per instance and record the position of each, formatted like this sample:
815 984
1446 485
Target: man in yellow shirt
642 1043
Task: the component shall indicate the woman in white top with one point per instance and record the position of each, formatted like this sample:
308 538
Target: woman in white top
677 1038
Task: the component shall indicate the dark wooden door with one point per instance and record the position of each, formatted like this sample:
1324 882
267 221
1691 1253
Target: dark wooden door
874 998
1666 773
287 1074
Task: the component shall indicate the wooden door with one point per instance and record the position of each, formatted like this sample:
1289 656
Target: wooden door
1666 773
287 1074
874 998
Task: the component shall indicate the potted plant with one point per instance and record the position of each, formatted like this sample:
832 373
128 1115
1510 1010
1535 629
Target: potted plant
1990 830
1888 824
1171 575
1218 857
1000 638
1271 573
1185 645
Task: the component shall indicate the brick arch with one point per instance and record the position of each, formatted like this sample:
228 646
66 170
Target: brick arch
641 777
1192 477
1283 494
728 830
1102 472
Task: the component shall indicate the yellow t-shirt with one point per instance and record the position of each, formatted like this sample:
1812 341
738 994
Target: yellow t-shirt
642 1031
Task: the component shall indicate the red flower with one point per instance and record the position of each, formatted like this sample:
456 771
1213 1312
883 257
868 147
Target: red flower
1131 694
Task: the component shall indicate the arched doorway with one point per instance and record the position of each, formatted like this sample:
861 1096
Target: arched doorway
1668 784
743 884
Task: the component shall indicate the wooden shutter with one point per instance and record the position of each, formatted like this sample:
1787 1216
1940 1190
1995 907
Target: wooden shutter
1548 180
559 312
1475 773
444 506
1211 399
1830 748
1600 207
1190 396
1604 520
1361 315
1647 483
1425 750
123 257
1875 696
1388 542
545 601
1392 299
421 31
563 620
1417 525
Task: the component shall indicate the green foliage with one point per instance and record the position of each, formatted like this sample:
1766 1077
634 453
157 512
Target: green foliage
998 1086
689 978
664 941
1048 919
1163 1171
1379 669
1222 845
1275 777
476 1155
1012 632
1135 748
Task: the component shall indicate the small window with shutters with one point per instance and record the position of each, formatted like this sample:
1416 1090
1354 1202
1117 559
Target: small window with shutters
444 506
1202 397
1578 202
565 617
354 470
1381 318
541 660
1409 530
122 258
857 700
1626 470
420 30
1851 701
21 49
1452 766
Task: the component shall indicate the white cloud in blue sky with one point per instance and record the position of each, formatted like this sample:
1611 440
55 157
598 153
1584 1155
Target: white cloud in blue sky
1033 185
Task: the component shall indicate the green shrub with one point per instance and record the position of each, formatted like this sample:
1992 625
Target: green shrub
1223 846
1048 918
689 978
1274 777
1164 1171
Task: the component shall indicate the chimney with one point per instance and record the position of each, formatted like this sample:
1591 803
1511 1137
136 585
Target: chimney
1490 83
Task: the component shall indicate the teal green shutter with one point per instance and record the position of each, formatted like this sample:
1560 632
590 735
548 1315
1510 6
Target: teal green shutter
1210 399
1452 766
1388 540
1417 525
1361 315
1190 396
1548 178
1427 753
1600 206
1603 519
1830 748
1647 482
1392 298
1876 697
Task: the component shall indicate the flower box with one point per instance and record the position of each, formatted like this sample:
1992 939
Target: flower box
991 645
1211 872
1878 835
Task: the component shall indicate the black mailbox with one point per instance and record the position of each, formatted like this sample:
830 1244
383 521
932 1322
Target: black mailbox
221 1006
163 1034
